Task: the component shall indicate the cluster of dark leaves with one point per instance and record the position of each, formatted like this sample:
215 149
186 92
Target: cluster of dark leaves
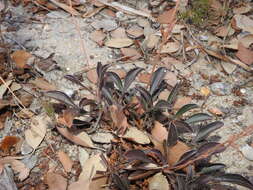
128 166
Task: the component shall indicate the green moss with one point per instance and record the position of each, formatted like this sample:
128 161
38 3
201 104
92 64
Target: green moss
197 13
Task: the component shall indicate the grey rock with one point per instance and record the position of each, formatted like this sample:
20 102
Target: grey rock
6 180
247 151
221 88
102 137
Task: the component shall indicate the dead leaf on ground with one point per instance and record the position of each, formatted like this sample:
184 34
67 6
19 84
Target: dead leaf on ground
37 132
228 67
92 76
180 102
243 22
119 42
119 33
67 8
135 31
131 52
67 117
244 54
158 181
56 181
7 143
65 160
170 47
242 9
15 86
166 17
137 136
21 58
246 40
152 41
43 84
119 119
171 78
144 77
175 152
159 132
224 31
82 140
26 99
98 36
3 88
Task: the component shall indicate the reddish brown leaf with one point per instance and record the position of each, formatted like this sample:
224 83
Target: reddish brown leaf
56 181
244 54
166 17
8 142
66 162
21 58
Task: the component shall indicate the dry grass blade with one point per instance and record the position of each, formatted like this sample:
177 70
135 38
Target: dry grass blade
69 9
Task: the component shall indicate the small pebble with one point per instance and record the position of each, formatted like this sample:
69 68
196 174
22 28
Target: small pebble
247 151
243 90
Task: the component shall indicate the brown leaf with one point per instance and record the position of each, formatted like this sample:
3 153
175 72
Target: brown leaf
67 8
159 132
92 76
136 135
56 181
131 52
166 17
3 88
119 119
86 142
37 132
119 33
67 118
66 162
215 111
244 54
175 152
243 22
242 9
144 77
26 99
171 78
20 167
43 84
180 102
21 58
119 42
135 31
170 47
98 36
224 31
8 142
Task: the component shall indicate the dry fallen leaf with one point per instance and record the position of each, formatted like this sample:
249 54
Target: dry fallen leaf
56 181
180 102
83 140
98 36
37 132
43 84
7 143
67 8
175 152
158 182
131 52
159 132
242 9
166 17
92 76
244 54
152 41
135 31
244 23
144 77
67 118
119 33
119 42
21 58
170 47
3 88
86 138
137 136
228 67
246 40
171 78
66 162
224 31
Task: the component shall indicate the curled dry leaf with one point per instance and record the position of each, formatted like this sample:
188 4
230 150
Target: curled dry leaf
131 52
159 132
21 58
98 36
82 139
175 152
92 76
244 54
37 132
119 119
119 42
135 31
170 47
66 162
243 22
158 181
56 181
137 136
43 84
